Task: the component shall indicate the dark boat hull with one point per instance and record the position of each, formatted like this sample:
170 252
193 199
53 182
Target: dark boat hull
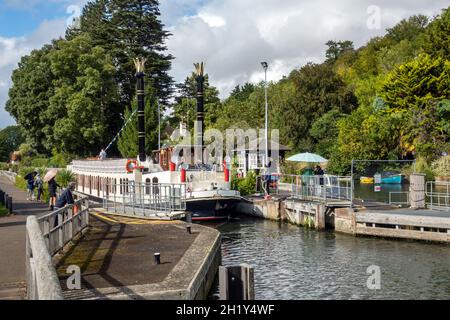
212 209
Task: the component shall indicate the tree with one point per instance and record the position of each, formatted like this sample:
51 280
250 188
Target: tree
325 132
128 139
65 97
10 139
318 89
437 39
408 29
29 95
127 29
335 49
185 102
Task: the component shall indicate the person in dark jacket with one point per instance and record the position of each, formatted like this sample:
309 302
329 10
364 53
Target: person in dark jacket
319 172
52 187
30 185
66 197
40 187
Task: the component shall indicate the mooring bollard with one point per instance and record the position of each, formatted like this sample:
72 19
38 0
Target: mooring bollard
6 200
10 207
236 283
157 258
189 217
189 229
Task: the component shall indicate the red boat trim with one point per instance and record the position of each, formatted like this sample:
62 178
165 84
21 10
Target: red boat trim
208 218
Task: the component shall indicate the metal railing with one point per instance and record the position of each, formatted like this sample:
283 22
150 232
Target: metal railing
397 198
144 199
46 236
438 195
326 188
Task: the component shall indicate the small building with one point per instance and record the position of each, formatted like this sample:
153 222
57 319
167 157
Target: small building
252 156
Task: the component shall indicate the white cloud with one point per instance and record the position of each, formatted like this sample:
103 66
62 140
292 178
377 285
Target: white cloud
233 36
12 49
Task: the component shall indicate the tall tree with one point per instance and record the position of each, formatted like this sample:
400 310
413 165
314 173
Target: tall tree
129 29
10 139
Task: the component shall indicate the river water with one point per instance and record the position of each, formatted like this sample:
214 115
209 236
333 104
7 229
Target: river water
295 263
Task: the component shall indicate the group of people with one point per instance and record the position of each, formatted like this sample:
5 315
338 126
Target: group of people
35 181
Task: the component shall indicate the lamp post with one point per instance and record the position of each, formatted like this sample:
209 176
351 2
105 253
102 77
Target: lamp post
265 66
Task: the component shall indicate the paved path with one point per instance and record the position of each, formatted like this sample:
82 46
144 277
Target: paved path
12 241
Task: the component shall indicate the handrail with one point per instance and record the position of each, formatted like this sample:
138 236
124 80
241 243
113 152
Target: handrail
42 279
46 236
438 195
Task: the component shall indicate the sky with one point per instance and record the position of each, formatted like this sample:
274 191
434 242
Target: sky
232 37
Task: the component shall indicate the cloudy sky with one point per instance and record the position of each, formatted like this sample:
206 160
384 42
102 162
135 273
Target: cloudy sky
231 36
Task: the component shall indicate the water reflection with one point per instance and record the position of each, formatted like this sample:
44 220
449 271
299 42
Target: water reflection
295 263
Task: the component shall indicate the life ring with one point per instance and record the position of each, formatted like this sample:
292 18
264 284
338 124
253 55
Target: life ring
131 165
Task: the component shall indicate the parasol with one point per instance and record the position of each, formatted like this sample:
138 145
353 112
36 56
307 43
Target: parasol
50 175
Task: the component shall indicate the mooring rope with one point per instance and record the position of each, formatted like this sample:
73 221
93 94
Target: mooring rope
120 131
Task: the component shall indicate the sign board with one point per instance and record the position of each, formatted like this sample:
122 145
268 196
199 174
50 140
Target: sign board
377 188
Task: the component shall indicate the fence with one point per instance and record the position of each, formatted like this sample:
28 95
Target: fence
45 236
144 199
438 195
9 175
326 188
398 198
7 201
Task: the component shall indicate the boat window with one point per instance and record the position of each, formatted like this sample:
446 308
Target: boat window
147 186
155 186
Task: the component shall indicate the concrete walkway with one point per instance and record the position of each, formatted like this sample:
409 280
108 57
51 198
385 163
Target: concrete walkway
12 241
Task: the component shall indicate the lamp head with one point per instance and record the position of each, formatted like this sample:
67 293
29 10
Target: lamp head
265 65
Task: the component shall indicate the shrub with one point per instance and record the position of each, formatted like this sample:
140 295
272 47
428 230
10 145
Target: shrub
246 185
64 177
441 166
3 211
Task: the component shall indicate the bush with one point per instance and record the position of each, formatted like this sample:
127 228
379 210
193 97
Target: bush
64 177
4 166
3 211
246 185
441 167
40 162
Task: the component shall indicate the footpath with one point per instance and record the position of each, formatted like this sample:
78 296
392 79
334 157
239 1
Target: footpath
12 241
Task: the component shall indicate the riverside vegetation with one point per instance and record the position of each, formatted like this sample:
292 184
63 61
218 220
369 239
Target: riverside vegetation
388 99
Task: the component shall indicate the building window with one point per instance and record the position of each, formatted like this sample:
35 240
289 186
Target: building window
253 161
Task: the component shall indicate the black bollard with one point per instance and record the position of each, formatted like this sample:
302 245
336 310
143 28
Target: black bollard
157 258
10 208
2 197
6 198
189 217
189 229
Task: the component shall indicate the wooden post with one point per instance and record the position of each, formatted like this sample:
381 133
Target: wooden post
236 283
417 191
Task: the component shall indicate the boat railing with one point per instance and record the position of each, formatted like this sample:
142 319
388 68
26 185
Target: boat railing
323 188
438 195
144 199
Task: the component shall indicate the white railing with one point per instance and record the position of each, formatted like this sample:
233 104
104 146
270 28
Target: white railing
9 174
46 236
144 199
438 195
326 188
398 198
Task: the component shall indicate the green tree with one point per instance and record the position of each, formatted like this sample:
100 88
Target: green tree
10 139
128 139
127 29
335 49
437 36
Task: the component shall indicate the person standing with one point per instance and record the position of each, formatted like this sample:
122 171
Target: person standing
30 186
66 198
40 187
102 154
52 187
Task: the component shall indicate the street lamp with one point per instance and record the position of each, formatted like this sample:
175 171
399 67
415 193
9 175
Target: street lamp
265 66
